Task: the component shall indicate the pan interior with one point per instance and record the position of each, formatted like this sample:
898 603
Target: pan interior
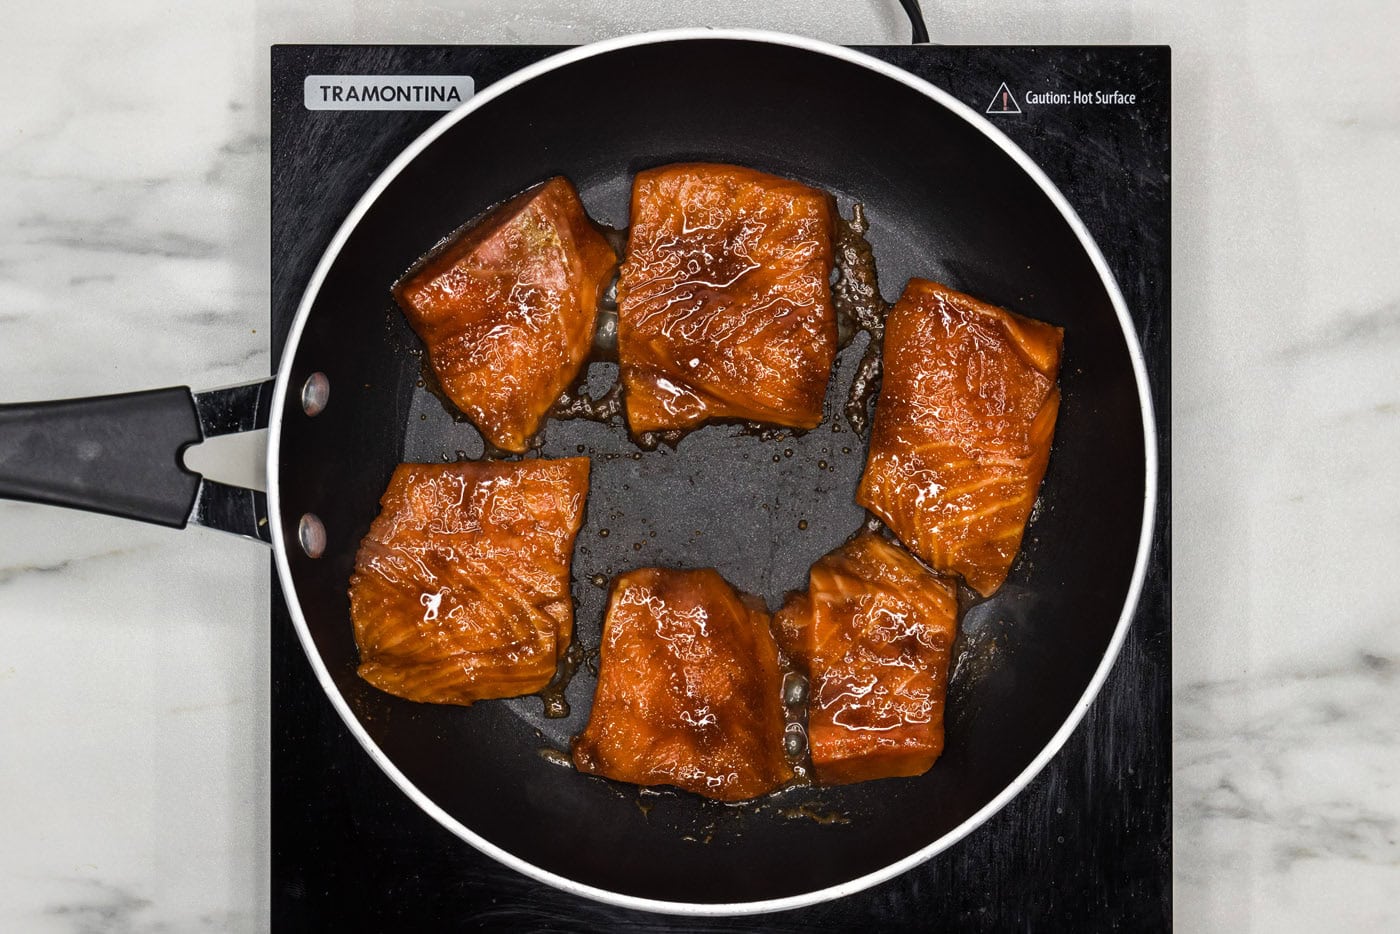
945 203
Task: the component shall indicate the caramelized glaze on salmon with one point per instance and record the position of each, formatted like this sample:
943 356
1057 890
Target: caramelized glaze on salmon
962 430
461 588
873 632
507 309
689 690
724 300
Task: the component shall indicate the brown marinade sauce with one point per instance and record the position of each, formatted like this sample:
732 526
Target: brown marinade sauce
859 307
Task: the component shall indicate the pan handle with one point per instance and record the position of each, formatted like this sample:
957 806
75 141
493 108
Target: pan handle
122 455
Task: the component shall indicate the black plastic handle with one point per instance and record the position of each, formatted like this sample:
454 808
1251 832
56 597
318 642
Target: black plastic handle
121 455
114 454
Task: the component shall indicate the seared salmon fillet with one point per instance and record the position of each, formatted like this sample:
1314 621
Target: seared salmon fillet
724 299
461 588
507 309
873 633
689 690
962 430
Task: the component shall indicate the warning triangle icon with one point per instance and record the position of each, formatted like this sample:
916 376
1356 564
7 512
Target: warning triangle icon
1003 102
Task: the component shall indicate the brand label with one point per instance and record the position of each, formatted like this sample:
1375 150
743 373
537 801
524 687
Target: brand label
386 92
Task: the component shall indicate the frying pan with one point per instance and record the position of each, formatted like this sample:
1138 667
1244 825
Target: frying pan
948 197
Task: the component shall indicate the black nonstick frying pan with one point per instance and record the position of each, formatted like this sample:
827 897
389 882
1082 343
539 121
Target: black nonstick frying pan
948 197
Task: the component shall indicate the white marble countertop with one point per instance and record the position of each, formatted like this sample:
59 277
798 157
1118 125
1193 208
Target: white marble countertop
133 253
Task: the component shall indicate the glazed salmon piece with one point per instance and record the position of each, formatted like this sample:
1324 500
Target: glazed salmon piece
461 588
507 309
873 633
962 431
689 691
724 299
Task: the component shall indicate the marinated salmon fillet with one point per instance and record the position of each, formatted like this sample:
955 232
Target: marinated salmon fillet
873 632
689 690
962 430
724 299
507 309
461 588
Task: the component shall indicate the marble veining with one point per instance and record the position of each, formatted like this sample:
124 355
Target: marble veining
94 907
1349 328
18 571
1283 781
133 253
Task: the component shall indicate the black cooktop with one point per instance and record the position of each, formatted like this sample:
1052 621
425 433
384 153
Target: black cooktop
1086 846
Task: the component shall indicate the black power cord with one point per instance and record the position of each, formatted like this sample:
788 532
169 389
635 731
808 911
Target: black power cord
916 20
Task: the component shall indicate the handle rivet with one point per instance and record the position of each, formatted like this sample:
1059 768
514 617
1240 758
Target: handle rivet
315 393
312 535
